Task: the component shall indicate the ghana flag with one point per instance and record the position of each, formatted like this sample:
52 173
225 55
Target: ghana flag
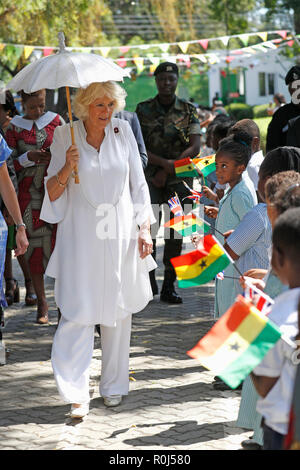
205 164
186 225
236 343
202 265
185 168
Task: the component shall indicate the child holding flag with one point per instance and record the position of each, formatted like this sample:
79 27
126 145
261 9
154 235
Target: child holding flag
250 243
277 161
274 377
231 161
280 197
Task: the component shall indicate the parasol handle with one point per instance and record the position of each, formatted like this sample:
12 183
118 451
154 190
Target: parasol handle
75 171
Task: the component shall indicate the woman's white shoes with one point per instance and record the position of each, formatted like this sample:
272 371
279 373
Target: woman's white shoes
113 400
79 411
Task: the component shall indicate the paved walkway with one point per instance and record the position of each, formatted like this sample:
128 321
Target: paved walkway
171 404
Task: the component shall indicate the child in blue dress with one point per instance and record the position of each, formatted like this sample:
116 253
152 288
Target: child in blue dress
231 161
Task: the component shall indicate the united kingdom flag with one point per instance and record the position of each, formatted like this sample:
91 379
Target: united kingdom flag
175 206
195 195
261 300
220 276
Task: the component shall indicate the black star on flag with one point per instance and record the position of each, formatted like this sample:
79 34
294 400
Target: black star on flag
202 264
234 347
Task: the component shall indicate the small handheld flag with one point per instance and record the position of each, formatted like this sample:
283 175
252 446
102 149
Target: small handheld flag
186 225
236 343
185 168
175 206
195 195
200 266
205 164
261 300
220 276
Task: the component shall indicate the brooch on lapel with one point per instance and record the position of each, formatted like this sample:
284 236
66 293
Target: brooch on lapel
116 130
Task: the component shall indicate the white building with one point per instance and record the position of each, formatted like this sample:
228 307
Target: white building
253 79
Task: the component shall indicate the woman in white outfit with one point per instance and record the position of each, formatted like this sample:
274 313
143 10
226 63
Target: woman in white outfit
101 258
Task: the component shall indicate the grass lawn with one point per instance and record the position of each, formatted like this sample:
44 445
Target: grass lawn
263 127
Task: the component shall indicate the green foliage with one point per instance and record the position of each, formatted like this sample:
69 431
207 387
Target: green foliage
263 124
228 11
260 110
143 88
43 19
194 86
38 22
139 90
240 111
283 6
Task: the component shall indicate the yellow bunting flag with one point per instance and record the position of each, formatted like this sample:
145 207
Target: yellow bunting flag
27 51
104 51
184 46
263 36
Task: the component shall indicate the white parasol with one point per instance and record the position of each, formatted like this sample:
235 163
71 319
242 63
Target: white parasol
66 69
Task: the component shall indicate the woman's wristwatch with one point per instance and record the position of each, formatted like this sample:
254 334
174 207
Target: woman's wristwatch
20 225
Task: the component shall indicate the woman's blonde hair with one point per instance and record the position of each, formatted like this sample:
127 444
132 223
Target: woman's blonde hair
85 96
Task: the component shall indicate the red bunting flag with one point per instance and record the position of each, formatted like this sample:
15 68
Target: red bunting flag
47 51
282 33
203 43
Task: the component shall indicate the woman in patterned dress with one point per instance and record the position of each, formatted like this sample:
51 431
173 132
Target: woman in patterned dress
30 137
12 292
9 197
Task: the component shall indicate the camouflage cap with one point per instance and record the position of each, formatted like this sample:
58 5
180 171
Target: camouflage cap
166 67
293 74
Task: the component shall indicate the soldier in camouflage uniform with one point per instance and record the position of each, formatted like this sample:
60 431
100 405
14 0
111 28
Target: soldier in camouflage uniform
171 131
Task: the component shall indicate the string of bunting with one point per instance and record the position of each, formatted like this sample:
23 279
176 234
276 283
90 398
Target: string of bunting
183 45
209 58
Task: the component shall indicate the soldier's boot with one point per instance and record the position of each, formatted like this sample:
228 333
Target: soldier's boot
168 293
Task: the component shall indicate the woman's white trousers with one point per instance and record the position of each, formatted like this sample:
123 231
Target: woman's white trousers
72 353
